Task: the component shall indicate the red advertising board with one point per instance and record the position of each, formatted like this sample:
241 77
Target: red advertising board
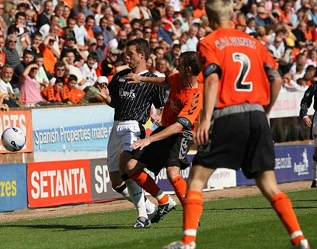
21 119
58 183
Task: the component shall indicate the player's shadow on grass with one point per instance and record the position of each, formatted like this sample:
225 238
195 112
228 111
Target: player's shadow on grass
256 208
63 227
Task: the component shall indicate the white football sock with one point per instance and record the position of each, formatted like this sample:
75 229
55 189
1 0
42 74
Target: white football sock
125 194
137 195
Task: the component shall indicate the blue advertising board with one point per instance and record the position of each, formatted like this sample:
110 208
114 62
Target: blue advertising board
13 192
292 163
71 133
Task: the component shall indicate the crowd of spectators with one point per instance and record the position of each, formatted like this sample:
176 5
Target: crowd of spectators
71 44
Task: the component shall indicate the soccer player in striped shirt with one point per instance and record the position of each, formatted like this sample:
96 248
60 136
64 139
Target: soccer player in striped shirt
132 103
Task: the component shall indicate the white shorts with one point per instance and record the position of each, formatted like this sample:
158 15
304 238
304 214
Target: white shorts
314 129
122 135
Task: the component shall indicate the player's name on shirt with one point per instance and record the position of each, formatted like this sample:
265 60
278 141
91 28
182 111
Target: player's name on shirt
235 41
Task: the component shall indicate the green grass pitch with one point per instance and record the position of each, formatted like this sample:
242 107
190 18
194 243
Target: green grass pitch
240 223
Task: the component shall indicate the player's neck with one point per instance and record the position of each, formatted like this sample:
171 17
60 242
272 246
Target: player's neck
224 25
191 82
139 69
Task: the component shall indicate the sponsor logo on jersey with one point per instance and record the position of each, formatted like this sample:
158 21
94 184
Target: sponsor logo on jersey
126 94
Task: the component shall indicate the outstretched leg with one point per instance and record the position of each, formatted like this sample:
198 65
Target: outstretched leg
136 172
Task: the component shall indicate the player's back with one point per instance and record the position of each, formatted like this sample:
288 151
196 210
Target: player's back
242 60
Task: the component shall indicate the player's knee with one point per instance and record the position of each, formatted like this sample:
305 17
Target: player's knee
172 172
130 166
115 179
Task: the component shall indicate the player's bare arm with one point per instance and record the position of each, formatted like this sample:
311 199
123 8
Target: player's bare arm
173 129
276 81
137 79
201 135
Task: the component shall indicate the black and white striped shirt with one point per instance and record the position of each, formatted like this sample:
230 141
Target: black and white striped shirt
133 101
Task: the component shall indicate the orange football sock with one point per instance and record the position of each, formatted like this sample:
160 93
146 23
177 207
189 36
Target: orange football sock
180 186
284 209
148 184
192 210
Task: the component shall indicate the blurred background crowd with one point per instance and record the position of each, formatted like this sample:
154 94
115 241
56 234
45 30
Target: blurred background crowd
55 51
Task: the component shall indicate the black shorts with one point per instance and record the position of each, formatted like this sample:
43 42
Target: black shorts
239 140
171 151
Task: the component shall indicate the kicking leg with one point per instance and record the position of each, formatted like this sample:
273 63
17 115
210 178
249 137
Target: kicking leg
136 194
136 172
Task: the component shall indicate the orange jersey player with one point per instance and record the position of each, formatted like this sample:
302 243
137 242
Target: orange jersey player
183 103
246 63
169 144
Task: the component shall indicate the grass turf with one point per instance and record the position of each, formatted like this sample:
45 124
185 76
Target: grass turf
240 223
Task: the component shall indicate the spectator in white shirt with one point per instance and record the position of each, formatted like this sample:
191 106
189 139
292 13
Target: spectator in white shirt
88 71
6 77
80 31
191 44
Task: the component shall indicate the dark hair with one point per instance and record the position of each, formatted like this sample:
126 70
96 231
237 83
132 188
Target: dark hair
53 16
101 19
310 67
132 33
158 48
145 28
59 64
60 80
70 19
72 77
37 33
176 46
19 14
97 34
11 29
190 59
38 55
135 20
93 55
89 17
141 46
28 51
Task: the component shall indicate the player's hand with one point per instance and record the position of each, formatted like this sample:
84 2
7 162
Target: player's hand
103 91
132 78
201 135
140 144
307 121
156 119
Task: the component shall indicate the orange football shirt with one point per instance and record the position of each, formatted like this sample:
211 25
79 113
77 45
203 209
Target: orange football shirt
242 60
182 103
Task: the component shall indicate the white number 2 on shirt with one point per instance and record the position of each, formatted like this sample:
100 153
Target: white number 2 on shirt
245 65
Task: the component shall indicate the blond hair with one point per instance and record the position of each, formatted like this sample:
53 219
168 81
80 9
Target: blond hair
219 10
